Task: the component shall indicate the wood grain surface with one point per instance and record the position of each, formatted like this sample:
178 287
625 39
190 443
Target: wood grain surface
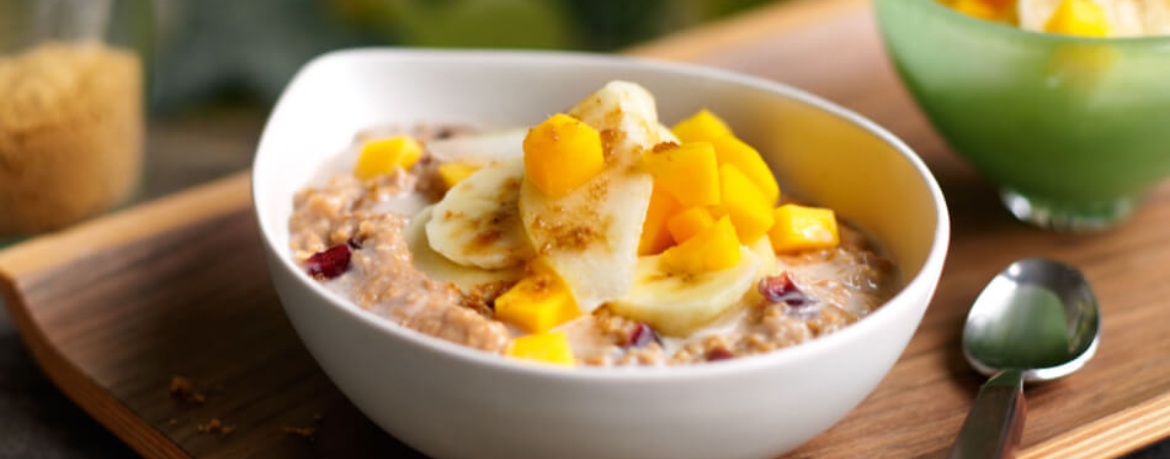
114 308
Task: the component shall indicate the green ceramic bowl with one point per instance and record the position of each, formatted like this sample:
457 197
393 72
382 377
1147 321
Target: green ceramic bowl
1075 130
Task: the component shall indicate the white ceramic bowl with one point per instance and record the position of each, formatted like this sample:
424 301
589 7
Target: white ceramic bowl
454 402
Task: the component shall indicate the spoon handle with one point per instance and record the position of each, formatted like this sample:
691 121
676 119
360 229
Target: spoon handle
993 427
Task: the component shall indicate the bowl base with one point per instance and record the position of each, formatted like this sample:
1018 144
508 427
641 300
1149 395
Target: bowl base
1065 216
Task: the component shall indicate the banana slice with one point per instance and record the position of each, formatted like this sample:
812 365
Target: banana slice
480 149
676 304
1157 17
478 222
628 111
665 135
769 265
438 268
1125 17
590 236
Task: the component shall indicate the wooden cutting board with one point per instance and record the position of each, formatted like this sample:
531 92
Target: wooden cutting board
114 308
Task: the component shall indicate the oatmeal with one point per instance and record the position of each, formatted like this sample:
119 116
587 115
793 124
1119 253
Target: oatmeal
598 238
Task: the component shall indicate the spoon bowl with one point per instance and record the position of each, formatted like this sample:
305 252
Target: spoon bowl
1038 316
1037 320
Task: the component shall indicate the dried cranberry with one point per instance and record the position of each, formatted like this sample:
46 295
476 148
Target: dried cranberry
719 354
781 289
643 335
330 263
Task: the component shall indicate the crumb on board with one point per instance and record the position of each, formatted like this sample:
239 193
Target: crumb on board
182 389
215 427
303 432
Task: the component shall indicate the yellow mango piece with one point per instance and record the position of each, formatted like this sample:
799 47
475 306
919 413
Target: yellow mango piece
538 303
750 210
713 249
453 173
803 228
380 157
552 348
976 8
561 154
688 172
703 126
688 223
655 235
730 150
1079 17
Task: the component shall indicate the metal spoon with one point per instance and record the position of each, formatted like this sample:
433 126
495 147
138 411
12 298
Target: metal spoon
1038 320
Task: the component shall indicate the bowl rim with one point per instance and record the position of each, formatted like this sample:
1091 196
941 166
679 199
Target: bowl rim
948 14
925 280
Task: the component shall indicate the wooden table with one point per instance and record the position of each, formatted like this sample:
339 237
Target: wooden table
37 421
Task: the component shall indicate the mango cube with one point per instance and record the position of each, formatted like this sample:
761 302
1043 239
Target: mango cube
537 303
713 249
750 210
655 234
982 9
703 126
561 154
688 223
552 348
453 173
1079 17
730 150
803 228
689 172
381 157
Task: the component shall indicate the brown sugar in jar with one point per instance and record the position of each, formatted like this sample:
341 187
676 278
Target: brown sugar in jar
71 134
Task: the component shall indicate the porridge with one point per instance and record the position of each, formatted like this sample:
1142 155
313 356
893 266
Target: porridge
599 237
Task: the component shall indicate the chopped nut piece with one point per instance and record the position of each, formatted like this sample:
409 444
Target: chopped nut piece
308 433
183 390
215 427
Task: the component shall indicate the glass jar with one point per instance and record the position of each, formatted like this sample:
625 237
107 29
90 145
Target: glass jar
72 109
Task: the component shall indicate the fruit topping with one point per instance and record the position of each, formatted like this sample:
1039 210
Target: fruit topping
381 157
703 126
478 221
453 173
561 154
552 348
688 223
991 10
715 248
590 236
329 263
537 303
643 335
655 235
749 209
1078 17
719 354
688 172
803 228
782 289
730 150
